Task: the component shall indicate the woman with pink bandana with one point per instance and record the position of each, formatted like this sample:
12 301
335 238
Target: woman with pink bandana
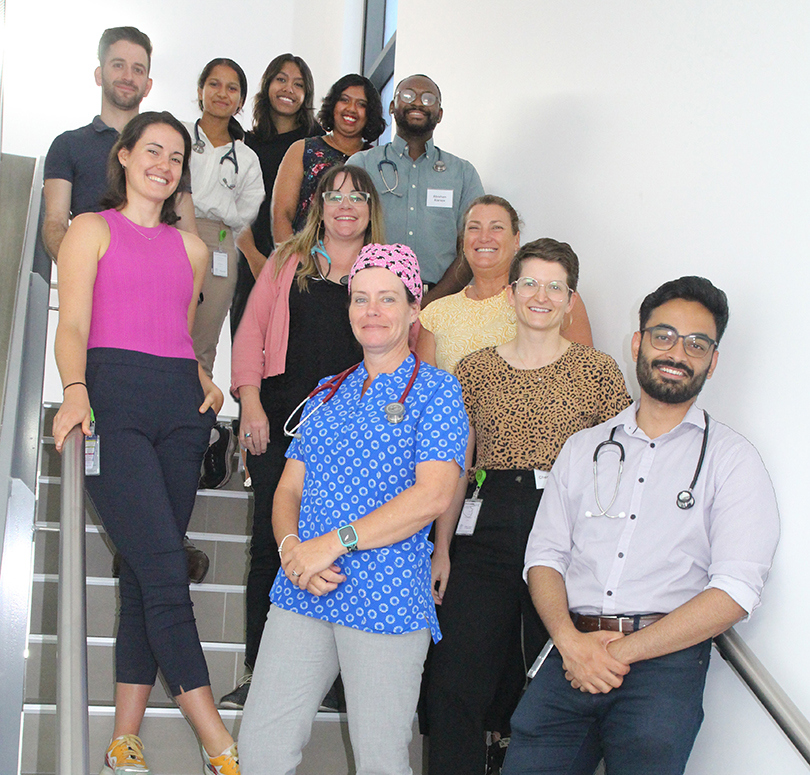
375 458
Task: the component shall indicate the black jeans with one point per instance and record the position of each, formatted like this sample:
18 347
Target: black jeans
265 471
490 630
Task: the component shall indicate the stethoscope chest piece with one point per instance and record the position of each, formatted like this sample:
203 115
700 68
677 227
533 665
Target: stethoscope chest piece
440 166
198 147
395 412
685 499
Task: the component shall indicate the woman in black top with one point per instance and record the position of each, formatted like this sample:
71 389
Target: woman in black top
282 114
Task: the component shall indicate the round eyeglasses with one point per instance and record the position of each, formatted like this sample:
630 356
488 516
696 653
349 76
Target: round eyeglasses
527 287
664 338
409 96
336 197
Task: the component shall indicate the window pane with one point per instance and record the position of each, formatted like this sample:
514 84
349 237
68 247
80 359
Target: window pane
390 28
387 94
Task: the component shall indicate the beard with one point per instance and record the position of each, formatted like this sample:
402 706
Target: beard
401 119
118 100
662 390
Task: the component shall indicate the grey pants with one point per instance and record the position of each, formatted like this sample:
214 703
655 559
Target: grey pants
299 659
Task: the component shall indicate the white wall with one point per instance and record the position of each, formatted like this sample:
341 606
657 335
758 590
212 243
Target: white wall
663 139
51 55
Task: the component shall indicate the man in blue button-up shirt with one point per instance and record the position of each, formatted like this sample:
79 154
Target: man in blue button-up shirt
656 532
424 189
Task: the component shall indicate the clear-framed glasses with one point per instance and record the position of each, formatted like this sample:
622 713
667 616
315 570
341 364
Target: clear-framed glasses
336 197
664 338
556 290
409 96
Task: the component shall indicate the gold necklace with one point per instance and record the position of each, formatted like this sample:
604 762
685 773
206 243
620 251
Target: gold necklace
132 224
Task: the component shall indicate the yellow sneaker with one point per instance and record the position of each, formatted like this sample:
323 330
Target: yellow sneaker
227 763
125 757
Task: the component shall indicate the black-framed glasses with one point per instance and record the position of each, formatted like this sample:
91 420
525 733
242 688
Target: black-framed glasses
527 287
664 338
409 96
355 197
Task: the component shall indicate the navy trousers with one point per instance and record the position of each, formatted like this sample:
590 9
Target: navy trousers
152 439
645 727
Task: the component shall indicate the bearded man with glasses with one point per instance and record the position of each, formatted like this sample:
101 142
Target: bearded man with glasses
633 589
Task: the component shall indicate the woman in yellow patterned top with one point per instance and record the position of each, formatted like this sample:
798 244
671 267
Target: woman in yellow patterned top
479 315
524 398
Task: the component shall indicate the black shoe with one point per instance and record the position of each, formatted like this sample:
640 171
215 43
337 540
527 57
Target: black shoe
198 562
235 700
218 461
496 753
334 702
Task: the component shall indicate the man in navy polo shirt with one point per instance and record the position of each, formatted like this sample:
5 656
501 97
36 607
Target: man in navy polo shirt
76 164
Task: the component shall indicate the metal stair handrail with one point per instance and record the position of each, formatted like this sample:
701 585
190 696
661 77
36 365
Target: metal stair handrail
765 688
72 717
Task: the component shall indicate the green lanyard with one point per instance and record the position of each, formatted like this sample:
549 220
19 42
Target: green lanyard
480 475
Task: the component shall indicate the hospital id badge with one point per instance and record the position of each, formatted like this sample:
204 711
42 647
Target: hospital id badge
92 455
540 479
220 264
469 516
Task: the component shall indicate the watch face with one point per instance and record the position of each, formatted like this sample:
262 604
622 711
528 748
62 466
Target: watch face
348 536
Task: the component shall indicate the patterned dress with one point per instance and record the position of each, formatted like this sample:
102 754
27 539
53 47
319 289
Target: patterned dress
319 157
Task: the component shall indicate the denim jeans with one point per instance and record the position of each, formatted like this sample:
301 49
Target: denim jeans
645 727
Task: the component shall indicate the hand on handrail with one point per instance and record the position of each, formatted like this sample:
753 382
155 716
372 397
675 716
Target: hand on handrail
75 410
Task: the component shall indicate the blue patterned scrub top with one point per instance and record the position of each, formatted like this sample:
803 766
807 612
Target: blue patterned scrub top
355 462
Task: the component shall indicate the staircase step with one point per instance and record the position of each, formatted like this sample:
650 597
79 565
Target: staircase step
218 608
228 553
172 748
225 667
215 511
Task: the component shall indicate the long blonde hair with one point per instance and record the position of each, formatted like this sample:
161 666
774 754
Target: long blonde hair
300 245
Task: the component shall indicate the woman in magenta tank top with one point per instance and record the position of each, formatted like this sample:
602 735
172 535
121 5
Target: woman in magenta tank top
128 288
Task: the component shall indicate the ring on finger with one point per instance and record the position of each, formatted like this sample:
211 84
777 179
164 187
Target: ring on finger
248 435
295 573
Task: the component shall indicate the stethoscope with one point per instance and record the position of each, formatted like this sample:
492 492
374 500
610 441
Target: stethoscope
199 146
394 412
685 498
438 166
319 249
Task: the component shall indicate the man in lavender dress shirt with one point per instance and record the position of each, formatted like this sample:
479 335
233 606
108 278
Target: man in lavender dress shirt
636 561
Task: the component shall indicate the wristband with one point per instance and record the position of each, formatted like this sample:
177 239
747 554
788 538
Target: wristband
281 545
71 385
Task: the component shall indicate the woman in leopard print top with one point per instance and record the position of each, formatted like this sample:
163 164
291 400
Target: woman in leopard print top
524 399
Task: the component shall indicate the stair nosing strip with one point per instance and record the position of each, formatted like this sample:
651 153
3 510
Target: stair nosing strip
104 581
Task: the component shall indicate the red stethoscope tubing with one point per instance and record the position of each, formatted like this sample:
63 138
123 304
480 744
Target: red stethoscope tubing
332 386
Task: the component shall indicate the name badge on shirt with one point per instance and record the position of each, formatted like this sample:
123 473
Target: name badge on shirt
540 478
469 516
220 264
440 197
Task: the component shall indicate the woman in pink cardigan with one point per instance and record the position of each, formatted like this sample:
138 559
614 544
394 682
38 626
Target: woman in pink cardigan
295 331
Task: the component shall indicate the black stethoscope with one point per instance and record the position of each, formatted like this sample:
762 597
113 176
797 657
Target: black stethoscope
394 412
685 499
199 146
438 166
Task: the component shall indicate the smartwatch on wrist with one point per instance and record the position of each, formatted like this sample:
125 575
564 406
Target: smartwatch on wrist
347 536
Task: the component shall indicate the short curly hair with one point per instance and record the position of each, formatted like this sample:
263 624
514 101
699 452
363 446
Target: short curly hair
375 121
